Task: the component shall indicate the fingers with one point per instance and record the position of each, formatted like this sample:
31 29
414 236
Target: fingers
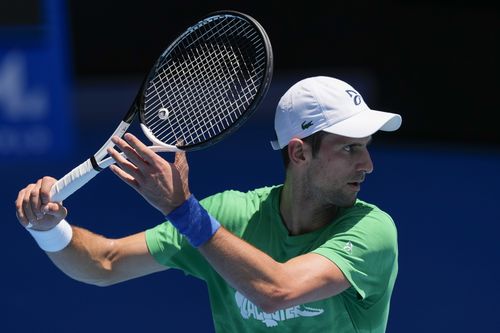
137 162
126 177
137 146
46 186
23 207
129 165
130 153
55 209
35 201
40 196
33 206
28 204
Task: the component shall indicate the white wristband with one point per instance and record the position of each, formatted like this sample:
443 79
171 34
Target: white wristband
55 239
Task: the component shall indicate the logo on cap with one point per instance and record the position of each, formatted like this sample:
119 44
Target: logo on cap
354 95
306 124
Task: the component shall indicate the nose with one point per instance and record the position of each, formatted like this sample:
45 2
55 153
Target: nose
366 164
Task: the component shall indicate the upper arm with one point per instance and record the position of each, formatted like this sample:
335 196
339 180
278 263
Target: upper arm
367 255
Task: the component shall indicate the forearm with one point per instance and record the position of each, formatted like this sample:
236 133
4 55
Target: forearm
81 254
85 258
249 270
100 261
271 285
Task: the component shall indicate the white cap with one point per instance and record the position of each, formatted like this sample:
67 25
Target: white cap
327 104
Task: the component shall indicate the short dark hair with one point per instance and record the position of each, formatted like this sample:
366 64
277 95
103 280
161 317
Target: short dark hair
314 140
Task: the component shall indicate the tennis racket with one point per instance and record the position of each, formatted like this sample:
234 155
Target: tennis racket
201 89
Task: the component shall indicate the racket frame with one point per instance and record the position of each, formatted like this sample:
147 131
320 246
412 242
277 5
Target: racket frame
83 173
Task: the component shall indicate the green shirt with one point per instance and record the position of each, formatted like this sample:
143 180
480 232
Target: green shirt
361 241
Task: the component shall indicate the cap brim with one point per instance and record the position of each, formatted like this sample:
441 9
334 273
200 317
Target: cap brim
275 144
366 123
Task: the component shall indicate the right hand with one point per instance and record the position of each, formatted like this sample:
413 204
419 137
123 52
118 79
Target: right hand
33 206
164 185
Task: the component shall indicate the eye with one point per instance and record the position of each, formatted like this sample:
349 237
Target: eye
348 148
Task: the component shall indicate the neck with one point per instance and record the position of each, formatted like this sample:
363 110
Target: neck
302 214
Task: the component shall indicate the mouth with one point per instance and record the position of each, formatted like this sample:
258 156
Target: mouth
355 185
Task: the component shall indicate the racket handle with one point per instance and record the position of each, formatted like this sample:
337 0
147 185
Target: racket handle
83 173
73 180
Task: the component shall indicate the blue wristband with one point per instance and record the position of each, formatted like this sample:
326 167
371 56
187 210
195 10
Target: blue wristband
193 221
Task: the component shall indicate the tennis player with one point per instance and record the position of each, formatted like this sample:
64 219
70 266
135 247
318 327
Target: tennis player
304 256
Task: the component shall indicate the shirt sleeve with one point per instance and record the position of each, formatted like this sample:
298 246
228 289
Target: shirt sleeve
171 249
365 250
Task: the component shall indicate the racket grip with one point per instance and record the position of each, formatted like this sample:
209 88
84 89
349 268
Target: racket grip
72 181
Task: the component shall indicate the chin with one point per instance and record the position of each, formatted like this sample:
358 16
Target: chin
343 199
350 201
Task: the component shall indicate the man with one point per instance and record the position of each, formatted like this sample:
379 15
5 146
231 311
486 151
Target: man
305 256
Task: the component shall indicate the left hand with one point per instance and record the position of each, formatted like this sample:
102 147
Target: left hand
163 184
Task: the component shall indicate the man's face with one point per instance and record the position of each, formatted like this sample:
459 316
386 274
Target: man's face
334 175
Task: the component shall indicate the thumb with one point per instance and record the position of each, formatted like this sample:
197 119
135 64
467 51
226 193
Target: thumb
181 163
55 209
182 167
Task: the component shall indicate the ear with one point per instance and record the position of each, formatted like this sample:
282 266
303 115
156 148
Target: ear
298 151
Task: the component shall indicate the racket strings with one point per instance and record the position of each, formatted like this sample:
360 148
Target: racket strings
216 55
210 105
218 85
207 88
183 83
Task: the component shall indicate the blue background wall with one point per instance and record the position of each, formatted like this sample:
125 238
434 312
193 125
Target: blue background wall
442 191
